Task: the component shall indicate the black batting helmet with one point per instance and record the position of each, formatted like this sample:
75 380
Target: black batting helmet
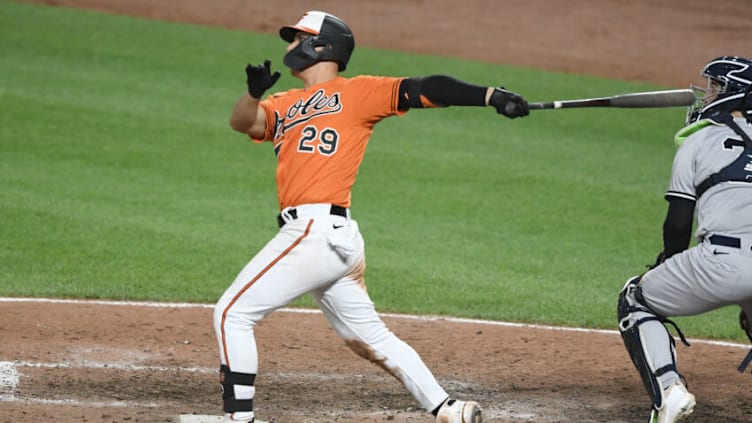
328 33
729 84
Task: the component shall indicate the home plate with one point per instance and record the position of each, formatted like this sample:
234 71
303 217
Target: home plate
199 418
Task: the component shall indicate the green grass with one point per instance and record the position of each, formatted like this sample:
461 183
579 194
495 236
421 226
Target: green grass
121 179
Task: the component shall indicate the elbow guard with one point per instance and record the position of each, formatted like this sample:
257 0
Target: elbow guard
439 91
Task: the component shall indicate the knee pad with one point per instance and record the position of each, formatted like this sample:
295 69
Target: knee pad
232 380
633 312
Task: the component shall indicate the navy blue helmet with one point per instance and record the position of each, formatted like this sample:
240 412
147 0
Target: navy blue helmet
728 89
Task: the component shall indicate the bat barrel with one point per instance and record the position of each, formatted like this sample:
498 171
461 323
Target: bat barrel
668 98
671 98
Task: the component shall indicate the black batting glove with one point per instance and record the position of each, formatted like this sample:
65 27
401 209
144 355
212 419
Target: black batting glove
260 78
508 103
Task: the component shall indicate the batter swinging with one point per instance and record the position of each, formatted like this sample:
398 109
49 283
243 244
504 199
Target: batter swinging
319 134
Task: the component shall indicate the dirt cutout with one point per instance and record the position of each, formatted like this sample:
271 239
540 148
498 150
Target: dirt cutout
91 362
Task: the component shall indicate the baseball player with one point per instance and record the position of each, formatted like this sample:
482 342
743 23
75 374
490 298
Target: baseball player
319 135
712 176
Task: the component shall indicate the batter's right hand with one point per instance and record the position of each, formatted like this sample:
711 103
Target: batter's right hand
508 103
260 78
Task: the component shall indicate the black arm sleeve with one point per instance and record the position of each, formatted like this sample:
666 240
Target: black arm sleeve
440 91
677 228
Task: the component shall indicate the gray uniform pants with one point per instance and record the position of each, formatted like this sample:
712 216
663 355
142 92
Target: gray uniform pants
700 279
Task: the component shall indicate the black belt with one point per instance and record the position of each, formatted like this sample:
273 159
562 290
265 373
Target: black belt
334 210
726 241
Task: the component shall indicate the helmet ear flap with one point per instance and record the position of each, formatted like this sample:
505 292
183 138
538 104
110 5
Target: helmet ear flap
331 40
302 56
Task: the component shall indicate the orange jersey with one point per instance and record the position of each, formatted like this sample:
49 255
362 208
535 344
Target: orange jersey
320 135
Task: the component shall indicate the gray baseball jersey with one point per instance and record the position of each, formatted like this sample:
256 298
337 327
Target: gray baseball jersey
727 207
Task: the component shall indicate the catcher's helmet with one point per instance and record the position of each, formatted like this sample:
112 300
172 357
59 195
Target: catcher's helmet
728 89
328 32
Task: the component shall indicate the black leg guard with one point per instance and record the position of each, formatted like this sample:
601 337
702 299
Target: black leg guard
747 328
632 312
228 380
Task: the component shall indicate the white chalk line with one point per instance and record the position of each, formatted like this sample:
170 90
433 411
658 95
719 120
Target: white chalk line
14 365
79 403
108 366
390 315
10 378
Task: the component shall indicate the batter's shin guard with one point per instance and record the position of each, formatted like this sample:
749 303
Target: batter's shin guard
234 385
632 313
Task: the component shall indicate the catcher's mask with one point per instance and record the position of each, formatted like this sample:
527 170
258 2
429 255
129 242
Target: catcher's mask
728 89
329 34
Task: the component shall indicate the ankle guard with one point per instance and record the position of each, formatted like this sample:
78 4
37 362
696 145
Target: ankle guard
229 380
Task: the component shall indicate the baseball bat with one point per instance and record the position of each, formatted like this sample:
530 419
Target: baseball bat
669 98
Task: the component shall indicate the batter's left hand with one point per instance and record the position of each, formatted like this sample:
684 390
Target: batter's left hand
508 103
260 78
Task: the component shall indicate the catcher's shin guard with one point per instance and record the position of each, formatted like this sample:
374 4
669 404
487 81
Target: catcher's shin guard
633 315
747 328
237 391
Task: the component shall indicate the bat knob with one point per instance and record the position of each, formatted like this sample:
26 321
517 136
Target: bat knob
508 103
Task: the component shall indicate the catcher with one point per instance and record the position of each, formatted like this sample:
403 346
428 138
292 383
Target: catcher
712 177
319 135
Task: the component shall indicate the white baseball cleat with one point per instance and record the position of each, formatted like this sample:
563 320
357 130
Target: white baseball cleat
454 411
678 403
229 420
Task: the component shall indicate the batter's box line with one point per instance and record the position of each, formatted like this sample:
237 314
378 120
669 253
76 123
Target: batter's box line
110 366
9 379
12 367
89 404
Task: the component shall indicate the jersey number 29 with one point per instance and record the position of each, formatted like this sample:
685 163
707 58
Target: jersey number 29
324 142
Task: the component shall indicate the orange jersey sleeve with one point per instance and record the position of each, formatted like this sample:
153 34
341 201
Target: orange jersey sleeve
320 135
